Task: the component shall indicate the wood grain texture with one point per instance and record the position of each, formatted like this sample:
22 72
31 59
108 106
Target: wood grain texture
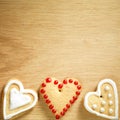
59 38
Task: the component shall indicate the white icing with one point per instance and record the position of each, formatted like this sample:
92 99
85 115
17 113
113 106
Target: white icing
94 106
22 90
110 102
102 110
107 88
110 111
98 93
103 102
18 99
109 95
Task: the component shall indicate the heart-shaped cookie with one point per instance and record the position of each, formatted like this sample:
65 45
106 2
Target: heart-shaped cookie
103 102
59 96
17 100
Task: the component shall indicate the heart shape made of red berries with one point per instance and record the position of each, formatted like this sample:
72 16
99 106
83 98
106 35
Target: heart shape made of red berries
59 96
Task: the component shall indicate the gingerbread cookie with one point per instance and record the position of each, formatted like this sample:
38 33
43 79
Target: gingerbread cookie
103 102
17 100
59 96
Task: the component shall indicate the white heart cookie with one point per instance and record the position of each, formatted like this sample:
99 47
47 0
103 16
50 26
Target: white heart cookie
103 102
17 99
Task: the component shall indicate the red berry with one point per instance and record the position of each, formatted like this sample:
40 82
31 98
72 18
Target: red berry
55 82
57 116
65 81
42 91
43 85
51 106
45 96
48 80
71 101
53 111
76 83
60 86
48 101
67 105
78 87
62 113
74 98
70 80
77 93
65 109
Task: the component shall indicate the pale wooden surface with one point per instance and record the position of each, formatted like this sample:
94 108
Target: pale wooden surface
60 38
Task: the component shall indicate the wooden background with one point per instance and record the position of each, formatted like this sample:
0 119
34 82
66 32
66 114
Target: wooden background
59 38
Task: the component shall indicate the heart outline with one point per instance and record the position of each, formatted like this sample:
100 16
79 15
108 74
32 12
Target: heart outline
26 91
98 93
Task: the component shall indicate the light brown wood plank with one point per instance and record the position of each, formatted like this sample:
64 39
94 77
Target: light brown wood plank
59 38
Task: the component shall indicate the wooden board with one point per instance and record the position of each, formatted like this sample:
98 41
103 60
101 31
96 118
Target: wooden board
59 38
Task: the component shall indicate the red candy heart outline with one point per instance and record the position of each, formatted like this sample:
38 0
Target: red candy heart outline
60 86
